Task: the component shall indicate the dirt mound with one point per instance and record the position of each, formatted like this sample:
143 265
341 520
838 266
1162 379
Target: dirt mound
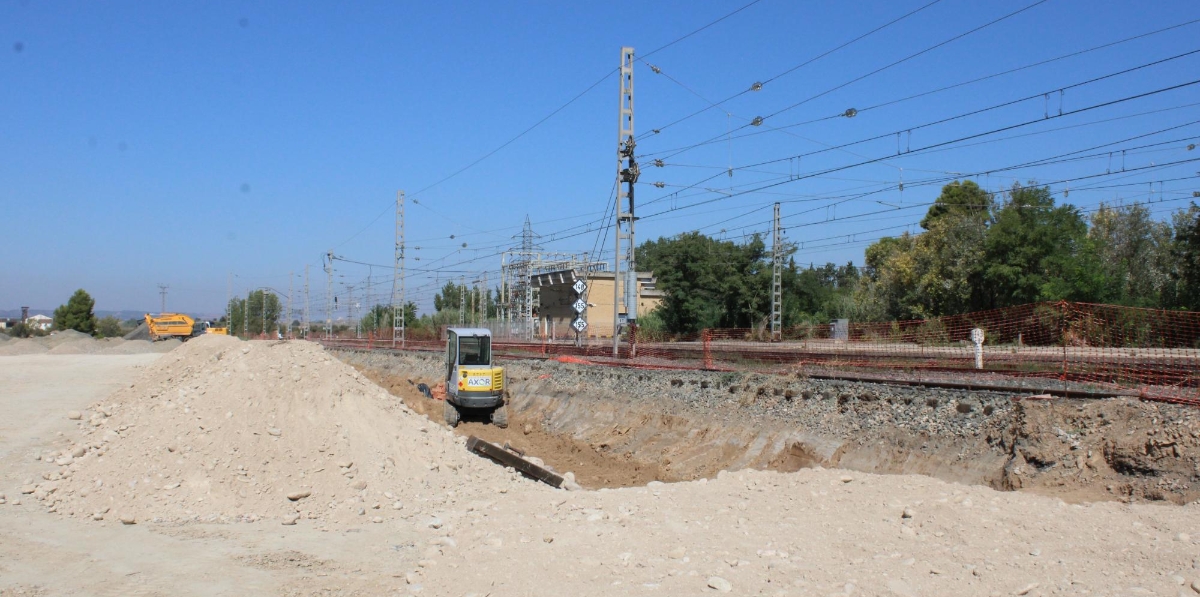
225 430
61 337
72 342
130 347
81 346
141 332
22 347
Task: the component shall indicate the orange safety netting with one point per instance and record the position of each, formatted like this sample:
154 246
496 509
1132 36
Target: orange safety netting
1071 349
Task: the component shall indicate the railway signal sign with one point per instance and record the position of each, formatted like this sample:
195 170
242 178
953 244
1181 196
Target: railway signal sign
579 305
579 287
579 325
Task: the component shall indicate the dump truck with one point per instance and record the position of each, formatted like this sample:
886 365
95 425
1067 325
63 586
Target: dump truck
473 383
178 325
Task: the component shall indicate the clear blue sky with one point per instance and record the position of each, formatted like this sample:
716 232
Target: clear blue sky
148 143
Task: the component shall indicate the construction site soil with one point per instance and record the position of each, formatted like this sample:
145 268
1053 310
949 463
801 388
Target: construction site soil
620 427
242 468
73 342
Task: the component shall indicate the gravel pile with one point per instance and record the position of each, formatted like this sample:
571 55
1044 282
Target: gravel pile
141 332
71 342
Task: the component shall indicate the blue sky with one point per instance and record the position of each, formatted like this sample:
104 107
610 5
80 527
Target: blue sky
186 143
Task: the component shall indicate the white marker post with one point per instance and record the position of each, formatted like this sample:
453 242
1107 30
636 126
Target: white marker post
977 338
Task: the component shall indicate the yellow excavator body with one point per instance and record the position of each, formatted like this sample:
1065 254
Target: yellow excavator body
178 325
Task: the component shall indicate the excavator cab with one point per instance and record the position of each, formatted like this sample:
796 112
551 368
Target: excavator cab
472 382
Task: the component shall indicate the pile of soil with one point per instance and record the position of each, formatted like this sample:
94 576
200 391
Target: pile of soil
141 332
225 430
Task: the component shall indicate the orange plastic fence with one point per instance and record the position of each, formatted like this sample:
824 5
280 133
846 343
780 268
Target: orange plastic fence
1060 347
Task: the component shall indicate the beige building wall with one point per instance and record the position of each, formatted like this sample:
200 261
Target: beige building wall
555 312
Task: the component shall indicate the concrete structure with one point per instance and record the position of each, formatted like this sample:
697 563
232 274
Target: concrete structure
554 313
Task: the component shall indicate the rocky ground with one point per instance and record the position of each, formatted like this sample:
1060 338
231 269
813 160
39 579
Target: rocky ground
233 468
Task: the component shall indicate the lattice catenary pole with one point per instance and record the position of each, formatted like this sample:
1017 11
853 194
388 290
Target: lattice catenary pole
329 294
398 322
627 175
776 279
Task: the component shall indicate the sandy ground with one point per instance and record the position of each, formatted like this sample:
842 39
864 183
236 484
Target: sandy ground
812 532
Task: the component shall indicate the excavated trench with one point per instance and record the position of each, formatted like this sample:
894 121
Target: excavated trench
617 427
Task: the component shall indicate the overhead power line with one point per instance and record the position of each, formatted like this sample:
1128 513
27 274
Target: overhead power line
908 130
535 125
859 111
759 85
759 120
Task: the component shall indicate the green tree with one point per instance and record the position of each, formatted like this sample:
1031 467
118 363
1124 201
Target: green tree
1182 289
263 311
108 327
1035 251
237 316
450 297
960 199
709 283
77 314
936 272
1132 252
816 294
379 317
888 287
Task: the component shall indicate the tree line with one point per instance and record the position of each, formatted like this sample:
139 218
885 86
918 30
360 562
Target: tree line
974 252
78 314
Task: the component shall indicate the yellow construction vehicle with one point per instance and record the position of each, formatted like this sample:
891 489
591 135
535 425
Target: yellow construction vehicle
472 382
178 325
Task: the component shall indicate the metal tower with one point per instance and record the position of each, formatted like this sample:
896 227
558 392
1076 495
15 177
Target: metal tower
398 323
462 301
329 294
524 271
306 319
776 280
162 290
350 307
627 175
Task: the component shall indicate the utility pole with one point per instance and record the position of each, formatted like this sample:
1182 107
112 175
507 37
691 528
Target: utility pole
367 299
263 315
228 300
350 306
462 300
291 275
329 294
484 296
162 290
398 323
627 175
306 324
526 271
776 280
